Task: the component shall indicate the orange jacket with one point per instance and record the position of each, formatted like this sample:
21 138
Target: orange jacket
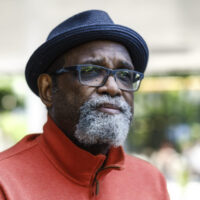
49 166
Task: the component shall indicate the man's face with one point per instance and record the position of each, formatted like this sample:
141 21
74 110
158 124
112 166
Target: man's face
70 96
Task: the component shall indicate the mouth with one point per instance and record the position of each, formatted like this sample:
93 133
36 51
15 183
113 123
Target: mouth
109 108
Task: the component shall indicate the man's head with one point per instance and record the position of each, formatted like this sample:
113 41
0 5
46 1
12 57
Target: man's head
90 114
90 110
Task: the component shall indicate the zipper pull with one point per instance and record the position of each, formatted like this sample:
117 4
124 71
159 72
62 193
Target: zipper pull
97 187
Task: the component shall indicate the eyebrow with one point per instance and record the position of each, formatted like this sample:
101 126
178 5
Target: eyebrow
94 61
101 61
125 64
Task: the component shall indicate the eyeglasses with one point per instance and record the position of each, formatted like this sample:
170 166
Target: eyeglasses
96 76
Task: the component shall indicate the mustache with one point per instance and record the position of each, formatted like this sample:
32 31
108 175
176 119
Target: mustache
118 102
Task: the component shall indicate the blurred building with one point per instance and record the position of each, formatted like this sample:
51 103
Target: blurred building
170 27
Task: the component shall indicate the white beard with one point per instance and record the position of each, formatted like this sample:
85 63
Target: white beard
97 127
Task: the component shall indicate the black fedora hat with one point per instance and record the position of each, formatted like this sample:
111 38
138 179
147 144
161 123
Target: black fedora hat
81 28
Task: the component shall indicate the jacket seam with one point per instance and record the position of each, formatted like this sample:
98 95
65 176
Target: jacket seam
15 154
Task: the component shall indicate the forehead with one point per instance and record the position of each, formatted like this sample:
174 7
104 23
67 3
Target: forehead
98 52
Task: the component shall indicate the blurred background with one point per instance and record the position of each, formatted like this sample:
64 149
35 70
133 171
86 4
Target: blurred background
166 127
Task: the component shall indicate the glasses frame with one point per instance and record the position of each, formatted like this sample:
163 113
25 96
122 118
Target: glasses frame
110 72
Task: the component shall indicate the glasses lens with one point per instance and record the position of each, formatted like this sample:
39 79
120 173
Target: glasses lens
128 80
92 75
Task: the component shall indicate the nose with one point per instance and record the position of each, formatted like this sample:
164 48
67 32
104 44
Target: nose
110 88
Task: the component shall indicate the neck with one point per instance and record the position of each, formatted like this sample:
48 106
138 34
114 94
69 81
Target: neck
96 148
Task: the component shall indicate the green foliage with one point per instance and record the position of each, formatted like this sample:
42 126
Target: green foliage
12 118
14 125
9 100
156 113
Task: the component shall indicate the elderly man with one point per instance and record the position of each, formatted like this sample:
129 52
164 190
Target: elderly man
85 74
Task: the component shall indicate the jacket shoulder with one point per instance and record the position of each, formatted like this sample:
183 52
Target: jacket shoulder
139 164
144 170
24 144
147 178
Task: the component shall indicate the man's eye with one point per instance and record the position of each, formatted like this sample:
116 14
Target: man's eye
91 72
124 76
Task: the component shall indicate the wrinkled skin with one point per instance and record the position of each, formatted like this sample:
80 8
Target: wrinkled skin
64 104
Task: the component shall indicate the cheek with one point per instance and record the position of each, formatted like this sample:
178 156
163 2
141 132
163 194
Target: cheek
75 95
65 102
84 94
129 97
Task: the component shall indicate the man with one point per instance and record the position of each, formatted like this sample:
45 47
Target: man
85 74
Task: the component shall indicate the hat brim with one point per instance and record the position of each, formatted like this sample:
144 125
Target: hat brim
43 57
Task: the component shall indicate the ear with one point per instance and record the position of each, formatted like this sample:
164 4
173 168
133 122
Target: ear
44 83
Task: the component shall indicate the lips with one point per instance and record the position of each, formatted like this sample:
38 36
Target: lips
109 108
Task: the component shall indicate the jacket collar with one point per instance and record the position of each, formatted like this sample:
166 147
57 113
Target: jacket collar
75 163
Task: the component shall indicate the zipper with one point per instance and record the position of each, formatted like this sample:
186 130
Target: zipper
97 187
96 180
